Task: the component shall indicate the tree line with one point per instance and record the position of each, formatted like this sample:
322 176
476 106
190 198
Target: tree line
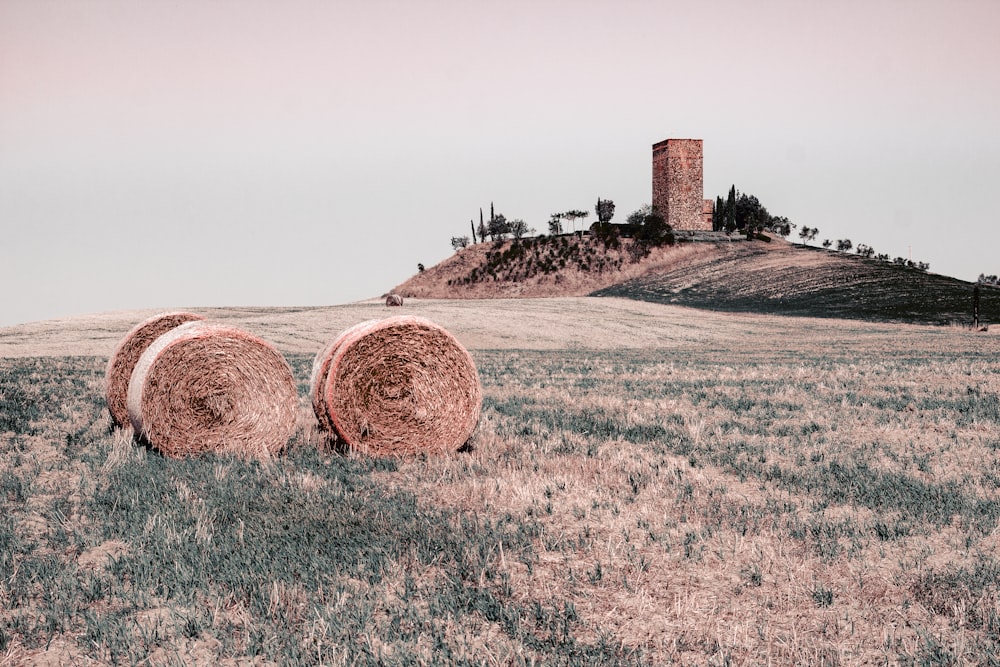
736 212
645 225
743 212
498 227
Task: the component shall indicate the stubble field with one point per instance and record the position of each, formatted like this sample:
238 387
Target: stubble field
648 485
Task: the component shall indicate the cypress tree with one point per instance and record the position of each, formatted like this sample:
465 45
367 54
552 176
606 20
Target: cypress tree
731 209
975 307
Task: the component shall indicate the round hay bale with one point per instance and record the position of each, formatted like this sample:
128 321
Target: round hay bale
212 388
320 371
131 347
393 300
402 386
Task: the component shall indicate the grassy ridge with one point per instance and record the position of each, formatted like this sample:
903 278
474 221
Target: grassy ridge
813 282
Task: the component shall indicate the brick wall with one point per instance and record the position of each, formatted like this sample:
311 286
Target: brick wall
678 192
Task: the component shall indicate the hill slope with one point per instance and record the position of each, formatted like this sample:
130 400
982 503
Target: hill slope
541 267
717 274
795 280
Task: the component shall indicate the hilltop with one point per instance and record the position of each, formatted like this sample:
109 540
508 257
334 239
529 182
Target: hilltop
544 266
710 271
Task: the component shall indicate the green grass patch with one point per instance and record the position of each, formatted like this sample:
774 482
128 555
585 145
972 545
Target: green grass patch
600 479
307 560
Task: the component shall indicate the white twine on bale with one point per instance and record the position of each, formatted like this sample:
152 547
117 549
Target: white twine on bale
205 387
130 348
401 386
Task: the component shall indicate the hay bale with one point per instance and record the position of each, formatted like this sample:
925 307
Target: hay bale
123 361
212 388
393 300
320 371
402 386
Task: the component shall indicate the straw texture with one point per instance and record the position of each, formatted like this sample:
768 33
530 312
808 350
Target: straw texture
401 386
393 300
320 371
131 347
205 387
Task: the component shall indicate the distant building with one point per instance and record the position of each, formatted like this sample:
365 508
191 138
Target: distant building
678 189
708 212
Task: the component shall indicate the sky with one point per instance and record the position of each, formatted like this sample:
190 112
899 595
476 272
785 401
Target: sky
186 153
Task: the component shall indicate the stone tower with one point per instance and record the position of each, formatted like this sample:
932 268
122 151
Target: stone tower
678 191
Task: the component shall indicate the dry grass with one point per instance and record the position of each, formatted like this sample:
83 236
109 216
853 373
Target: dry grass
534 324
442 281
739 503
695 489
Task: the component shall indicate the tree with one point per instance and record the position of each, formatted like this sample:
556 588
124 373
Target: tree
605 210
750 216
473 225
420 268
807 234
638 216
656 231
843 245
718 215
827 243
975 307
865 250
781 226
519 228
459 242
649 228
499 227
555 224
744 212
483 230
575 215
729 219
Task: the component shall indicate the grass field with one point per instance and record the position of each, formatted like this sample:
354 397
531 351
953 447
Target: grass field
717 489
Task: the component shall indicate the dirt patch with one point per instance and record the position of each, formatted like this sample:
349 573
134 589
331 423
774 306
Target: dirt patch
98 556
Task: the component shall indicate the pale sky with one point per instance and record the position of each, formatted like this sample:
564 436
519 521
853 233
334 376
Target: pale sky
179 153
